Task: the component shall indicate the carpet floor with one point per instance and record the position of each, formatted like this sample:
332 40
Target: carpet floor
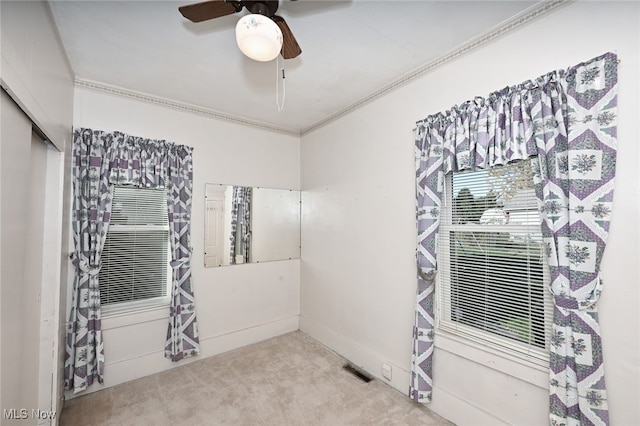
287 380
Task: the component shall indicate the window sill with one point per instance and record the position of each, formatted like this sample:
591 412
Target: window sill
141 315
492 358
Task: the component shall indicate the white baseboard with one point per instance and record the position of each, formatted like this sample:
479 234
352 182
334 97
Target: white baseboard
123 371
444 403
359 355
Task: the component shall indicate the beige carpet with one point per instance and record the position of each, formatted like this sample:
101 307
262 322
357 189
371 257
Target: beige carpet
287 380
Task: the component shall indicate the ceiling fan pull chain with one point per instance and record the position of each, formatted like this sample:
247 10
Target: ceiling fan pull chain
284 92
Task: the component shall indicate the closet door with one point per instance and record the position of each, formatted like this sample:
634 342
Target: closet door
23 157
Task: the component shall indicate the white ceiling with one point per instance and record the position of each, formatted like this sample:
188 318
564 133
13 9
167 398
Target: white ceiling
351 49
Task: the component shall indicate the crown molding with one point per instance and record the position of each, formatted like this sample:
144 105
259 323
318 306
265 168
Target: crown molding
511 24
527 16
181 106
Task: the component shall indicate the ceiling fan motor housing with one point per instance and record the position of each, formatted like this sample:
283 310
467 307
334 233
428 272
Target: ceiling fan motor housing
266 8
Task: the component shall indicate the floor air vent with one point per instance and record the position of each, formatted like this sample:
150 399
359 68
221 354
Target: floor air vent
359 374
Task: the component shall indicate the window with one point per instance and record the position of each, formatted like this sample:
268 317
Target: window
493 277
135 269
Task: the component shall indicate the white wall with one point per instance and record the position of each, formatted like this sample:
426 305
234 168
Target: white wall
235 305
358 269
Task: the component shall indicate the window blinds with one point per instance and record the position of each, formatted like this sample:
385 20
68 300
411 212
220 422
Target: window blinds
135 257
493 277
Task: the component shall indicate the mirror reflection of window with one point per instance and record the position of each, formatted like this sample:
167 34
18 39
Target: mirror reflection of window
240 251
250 225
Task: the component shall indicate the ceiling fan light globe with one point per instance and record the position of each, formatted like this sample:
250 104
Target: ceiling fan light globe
258 37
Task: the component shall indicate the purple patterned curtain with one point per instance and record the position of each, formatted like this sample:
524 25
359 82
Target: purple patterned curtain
101 160
182 335
566 121
574 179
84 362
240 223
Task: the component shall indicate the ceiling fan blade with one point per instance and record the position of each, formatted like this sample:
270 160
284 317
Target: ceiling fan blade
198 12
290 47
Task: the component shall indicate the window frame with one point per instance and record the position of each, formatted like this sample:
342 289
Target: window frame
456 333
134 306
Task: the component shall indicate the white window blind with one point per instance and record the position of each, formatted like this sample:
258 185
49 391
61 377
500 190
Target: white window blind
493 277
135 269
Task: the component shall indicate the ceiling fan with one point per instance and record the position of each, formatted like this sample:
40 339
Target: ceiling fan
211 9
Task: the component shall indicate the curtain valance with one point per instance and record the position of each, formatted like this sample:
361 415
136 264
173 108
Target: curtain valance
132 160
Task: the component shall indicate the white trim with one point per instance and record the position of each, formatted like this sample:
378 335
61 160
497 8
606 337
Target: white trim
130 198
138 306
518 359
535 12
493 358
358 354
137 228
527 355
48 391
182 106
115 319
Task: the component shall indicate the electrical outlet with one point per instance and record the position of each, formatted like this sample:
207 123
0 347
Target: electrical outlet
386 371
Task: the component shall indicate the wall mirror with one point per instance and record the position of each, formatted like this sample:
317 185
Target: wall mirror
250 224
